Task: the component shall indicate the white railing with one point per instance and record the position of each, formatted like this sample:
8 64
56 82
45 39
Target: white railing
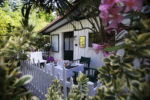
42 79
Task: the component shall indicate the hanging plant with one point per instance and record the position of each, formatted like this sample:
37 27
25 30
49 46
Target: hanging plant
47 46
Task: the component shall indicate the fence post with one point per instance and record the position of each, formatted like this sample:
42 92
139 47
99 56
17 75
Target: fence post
39 64
71 84
98 85
64 83
58 76
90 88
49 78
79 73
53 76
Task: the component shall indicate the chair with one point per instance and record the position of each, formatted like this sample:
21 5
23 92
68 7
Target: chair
85 61
37 57
92 74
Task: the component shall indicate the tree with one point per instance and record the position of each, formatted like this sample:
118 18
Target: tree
50 5
11 17
40 16
16 36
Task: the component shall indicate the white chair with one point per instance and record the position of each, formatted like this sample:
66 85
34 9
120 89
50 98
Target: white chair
36 57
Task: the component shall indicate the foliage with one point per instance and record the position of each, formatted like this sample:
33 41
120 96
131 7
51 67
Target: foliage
10 83
39 16
50 5
15 38
11 52
78 92
20 40
120 77
7 22
10 20
54 92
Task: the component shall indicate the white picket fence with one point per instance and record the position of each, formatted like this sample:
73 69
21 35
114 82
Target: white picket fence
42 79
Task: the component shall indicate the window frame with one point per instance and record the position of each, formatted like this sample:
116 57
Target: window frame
89 39
52 42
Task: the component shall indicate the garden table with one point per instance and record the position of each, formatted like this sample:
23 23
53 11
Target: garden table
69 71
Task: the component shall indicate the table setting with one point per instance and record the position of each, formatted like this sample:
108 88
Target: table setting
69 68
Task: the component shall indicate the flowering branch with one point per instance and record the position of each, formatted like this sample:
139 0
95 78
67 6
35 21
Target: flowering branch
112 14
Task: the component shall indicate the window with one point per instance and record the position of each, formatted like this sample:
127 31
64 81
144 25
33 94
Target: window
55 43
93 38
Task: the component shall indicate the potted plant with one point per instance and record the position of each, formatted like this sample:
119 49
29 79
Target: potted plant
50 59
47 47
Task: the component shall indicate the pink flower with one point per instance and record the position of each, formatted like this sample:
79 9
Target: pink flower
116 19
115 9
106 54
116 16
111 14
104 14
105 21
97 47
133 4
104 7
105 17
110 2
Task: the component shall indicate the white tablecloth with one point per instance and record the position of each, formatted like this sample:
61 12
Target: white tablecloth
69 72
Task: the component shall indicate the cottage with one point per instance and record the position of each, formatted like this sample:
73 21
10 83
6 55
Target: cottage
70 40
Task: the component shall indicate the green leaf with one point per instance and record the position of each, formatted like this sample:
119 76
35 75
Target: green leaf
143 37
23 80
115 48
110 98
106 60
21 95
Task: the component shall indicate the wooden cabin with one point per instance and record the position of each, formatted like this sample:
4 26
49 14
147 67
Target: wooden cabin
70 40
70 44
